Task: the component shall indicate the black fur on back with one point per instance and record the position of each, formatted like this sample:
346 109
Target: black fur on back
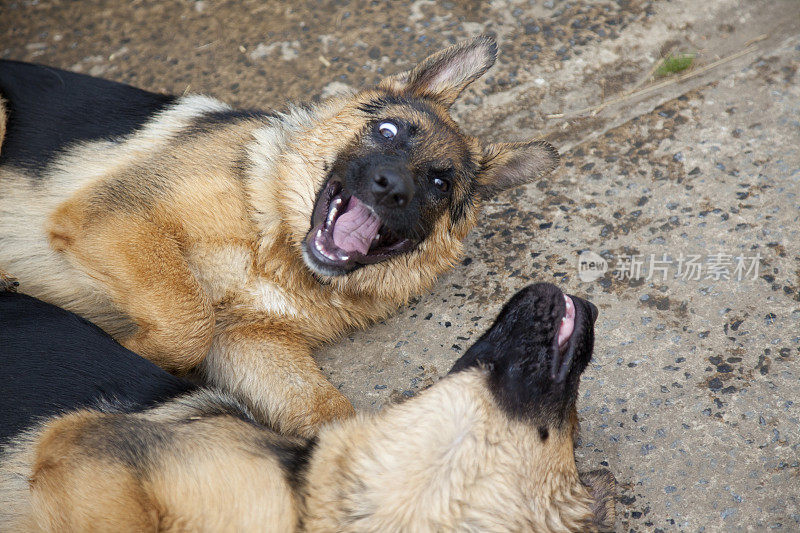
50 109
52 361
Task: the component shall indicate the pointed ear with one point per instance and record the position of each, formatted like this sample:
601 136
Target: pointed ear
443 75
507 165
602 486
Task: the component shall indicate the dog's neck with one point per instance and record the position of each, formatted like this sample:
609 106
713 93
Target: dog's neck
443 459
279 163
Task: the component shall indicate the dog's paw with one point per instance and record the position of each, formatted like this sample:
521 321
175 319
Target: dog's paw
330 406
8 283
602 486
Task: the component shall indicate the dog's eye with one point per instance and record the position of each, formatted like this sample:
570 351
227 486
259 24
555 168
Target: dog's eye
387 129
441 184
441 177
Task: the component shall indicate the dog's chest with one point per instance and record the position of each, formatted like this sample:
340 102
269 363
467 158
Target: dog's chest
226 274
268 297
223 270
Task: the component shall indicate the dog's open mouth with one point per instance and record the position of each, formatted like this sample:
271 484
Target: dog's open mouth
565 344
346 232
567 325
564 352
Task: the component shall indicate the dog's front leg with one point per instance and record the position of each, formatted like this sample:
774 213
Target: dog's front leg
269 366
143 270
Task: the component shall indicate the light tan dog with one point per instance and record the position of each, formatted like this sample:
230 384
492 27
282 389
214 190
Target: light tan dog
488 448
235 242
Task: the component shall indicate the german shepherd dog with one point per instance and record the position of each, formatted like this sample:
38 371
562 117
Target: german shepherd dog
232 243
125 446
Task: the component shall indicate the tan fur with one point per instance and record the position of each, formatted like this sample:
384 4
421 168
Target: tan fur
195 473
8 282
68 488
3 120
187 248
446 460
451 462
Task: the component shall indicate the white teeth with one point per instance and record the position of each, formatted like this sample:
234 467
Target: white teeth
325 252
344 257
333 211
320 246
371 210
377 237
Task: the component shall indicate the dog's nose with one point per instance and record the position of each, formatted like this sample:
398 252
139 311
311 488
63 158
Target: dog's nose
391 187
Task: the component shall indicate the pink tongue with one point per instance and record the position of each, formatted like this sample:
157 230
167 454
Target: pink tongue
567 324
354 230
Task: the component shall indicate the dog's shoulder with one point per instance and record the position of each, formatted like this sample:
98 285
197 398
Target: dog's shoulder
49 109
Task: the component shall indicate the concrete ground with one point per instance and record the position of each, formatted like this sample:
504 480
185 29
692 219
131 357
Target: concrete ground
692 396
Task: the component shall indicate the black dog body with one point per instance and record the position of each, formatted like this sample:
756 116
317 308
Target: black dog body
49 110
53 361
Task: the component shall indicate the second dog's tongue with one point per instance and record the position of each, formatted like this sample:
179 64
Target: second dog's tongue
354 229
567 325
